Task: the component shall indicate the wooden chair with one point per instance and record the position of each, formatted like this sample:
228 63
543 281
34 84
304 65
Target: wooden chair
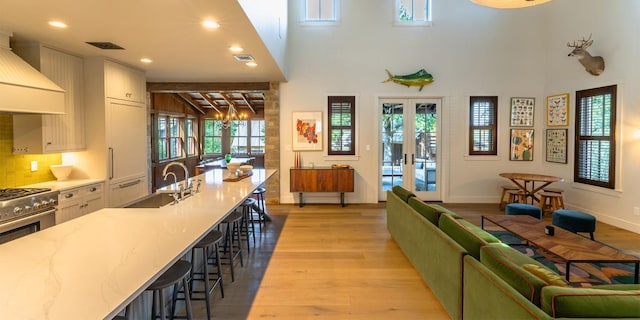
550 201
503 197
558 191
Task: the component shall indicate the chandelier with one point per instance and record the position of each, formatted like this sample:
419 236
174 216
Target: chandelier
232 115
509 4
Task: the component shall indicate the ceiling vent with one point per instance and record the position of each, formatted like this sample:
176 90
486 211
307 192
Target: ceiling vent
243 57
106 45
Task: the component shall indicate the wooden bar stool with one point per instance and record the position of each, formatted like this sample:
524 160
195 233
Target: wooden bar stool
232 240
210 257
516 196
174 276
247 221
259 196
503 197
125 316
550 201
558 191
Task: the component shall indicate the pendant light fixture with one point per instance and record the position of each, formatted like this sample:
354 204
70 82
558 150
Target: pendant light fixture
232 115
509 4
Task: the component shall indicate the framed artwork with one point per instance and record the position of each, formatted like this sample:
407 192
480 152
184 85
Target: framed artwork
307 131
522 110
558 110
521 145
557 145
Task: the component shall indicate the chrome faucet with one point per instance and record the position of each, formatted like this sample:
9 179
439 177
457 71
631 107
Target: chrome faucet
186 186
175 179
176 163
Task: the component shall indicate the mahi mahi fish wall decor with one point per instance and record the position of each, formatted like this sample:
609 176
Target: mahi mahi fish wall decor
420 78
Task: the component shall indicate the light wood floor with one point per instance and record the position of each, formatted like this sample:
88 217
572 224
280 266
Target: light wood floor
329 262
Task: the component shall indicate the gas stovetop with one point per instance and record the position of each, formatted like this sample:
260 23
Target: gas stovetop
22 202
15 193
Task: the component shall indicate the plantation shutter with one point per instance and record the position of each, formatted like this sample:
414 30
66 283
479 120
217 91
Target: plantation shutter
483 126
341 125
595 137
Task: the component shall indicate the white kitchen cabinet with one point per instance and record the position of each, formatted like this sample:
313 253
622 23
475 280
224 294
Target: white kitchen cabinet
52 133
117 135
77 202
124 83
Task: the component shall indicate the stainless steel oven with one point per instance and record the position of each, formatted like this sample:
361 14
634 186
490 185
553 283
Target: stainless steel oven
26 210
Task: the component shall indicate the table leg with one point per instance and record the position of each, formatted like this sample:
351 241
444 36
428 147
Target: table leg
568 270
342 199
635 278
301 200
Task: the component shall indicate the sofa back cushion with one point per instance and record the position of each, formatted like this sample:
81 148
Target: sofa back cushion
468 235
546 275
507 263
593 302
444 210
403 193
424 209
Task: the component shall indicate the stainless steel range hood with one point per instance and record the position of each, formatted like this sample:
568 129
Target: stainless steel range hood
23 89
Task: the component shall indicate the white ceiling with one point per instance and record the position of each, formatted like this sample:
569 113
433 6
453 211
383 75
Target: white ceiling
168 31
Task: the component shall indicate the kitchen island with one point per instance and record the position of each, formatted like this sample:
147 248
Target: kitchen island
92 267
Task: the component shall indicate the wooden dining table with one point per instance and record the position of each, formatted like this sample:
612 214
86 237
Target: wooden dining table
527 182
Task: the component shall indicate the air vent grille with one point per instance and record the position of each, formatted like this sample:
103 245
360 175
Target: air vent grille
243 57
106 45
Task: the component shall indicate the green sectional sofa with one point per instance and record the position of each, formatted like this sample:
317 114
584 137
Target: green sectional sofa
474 276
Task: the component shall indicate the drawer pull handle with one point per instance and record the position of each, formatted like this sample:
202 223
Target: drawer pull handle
93 189
129 184
68 195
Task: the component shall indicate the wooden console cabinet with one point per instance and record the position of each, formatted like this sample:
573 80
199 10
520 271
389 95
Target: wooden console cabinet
321 179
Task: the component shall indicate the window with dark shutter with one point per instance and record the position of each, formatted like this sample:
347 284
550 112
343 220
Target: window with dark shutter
483 125
341 129
595 137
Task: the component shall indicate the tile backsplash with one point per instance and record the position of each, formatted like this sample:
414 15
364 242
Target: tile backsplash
15 170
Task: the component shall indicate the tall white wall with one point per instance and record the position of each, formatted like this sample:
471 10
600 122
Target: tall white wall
615 29
471 51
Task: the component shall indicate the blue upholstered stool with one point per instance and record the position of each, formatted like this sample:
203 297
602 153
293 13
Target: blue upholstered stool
574 221
519 209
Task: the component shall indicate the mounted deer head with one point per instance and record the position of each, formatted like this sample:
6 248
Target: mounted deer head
593 65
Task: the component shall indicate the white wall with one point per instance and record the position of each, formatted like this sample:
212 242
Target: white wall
615 28
269 18
470 50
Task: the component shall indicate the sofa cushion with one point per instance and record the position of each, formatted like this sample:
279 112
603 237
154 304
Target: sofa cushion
424 209
507 262
403 193
468 235
442 209
572 302
546 275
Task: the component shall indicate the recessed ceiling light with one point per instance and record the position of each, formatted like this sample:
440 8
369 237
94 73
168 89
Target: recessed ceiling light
236 49
210 24
251 64
58 24
146 60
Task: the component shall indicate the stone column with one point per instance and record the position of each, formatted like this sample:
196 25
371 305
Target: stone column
272 143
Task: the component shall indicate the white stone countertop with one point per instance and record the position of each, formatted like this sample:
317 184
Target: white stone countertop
93 266
64 185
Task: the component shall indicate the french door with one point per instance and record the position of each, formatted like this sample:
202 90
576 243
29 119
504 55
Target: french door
410 145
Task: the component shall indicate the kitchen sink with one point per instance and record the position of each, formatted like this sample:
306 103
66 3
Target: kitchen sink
154 200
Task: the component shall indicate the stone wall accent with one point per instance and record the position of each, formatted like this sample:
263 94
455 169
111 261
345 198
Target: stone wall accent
272 143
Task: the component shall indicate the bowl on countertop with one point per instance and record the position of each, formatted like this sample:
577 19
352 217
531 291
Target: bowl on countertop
61 171
246 168
233 166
